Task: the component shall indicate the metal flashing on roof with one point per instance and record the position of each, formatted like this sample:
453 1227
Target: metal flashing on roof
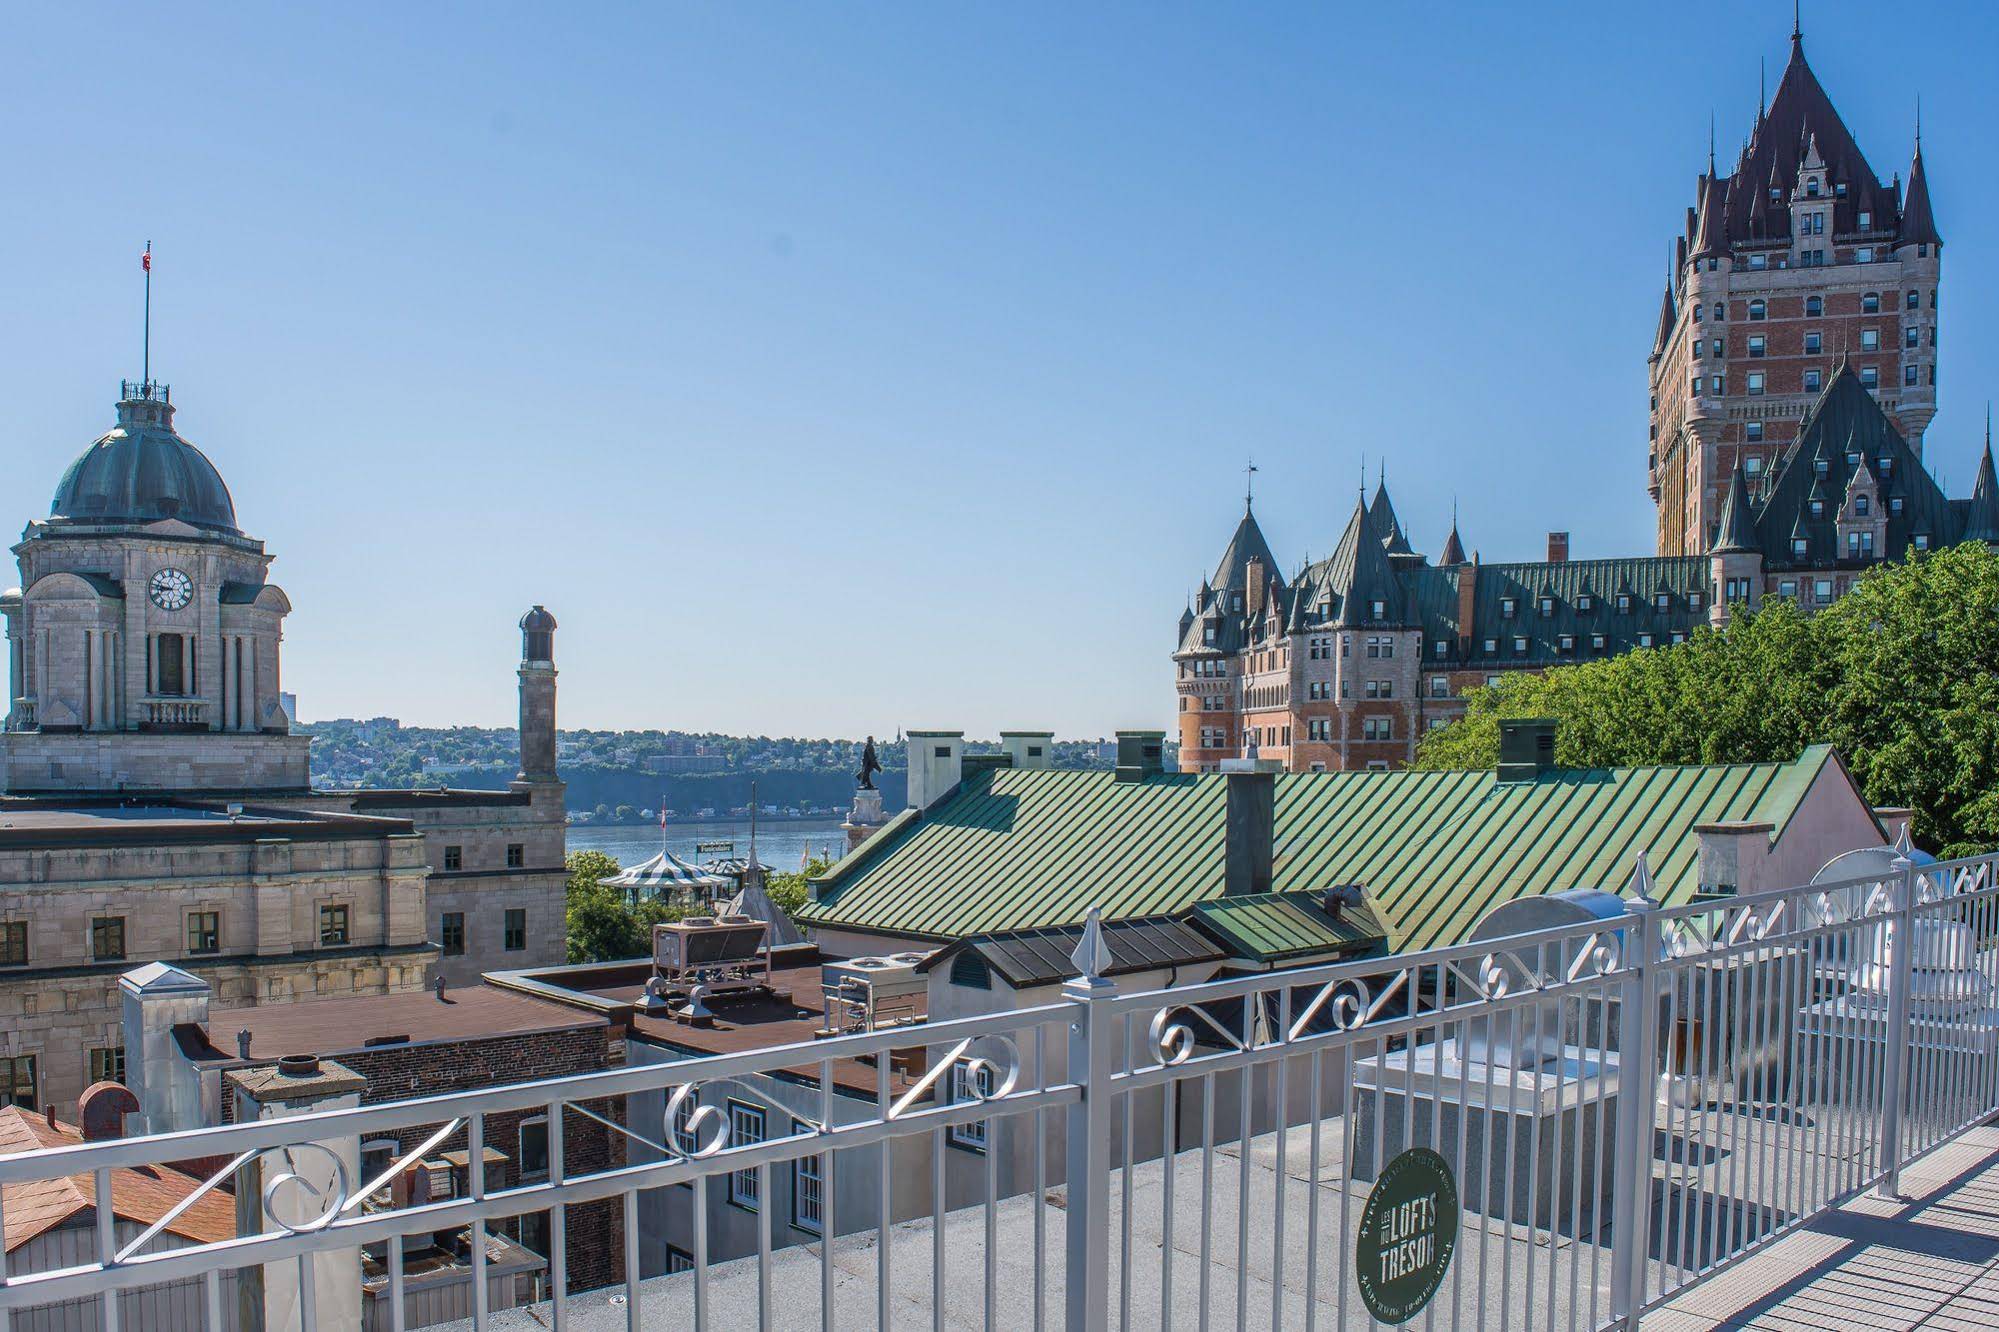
1290 926
1024 958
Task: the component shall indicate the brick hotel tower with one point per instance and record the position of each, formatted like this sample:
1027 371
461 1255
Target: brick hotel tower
1796 260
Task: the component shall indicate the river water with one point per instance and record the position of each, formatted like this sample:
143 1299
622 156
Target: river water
781 843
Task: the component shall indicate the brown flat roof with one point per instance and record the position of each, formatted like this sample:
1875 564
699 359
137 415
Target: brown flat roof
360 1022
50 822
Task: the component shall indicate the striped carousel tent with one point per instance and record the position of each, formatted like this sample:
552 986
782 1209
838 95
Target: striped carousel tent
666 875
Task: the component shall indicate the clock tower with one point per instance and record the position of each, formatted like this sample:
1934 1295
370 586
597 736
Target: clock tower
142 643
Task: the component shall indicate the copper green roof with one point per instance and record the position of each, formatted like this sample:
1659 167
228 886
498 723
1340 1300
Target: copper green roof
1288 927
1015 850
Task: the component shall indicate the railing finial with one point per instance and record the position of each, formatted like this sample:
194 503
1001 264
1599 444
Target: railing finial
1092 956
1641 879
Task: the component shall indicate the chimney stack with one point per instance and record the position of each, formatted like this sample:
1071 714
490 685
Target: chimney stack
1250 830
1526 747
156 998
102 1108
1030 751
1140 754
936 765
1558 547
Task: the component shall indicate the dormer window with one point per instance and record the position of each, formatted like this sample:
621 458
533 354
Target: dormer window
1547 607
1623 603
1441 648
1379 609
1519 646
1799 546
1811 187
1839 188
1818 508
1866 221
1585 602
1567 642
1920 541
1644 640
1507 605
1885 463
1776 195
1693 601
1662 602
1596 642
1895 504
1491 647
1860 505
1819 466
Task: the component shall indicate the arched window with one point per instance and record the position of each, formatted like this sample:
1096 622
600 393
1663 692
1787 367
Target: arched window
1871 303
1814 305
1756 309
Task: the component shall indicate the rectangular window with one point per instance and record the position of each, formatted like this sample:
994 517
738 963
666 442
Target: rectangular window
17 1081
13 943
1812 344
517 855
451 934
1757 345
808 1187
533 1149
1752 431
1788 588
1870 339
454 858
1568 642
1909 376
969 1085
1644 640
1440 686
107 1063
1547 607
678 1260
1822 589
107 938
1912 336
332 926
1596 642
1755 383
204 931
1519 646
746 1126
1813 378
516 929
1870 376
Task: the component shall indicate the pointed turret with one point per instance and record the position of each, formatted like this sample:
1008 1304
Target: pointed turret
1737 531
1232 572
1360 574
1454 549
1919 226
1981 519
1668 315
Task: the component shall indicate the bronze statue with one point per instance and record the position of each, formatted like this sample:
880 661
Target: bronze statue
870 765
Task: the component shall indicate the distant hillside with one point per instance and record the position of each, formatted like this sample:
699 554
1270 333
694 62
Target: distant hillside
635 770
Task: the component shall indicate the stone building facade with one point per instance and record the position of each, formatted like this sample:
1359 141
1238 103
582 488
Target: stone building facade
155 804
1795 261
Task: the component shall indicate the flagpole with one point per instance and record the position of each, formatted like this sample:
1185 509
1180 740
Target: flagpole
146 342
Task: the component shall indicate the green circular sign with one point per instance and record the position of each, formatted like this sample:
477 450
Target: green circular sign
1408 1231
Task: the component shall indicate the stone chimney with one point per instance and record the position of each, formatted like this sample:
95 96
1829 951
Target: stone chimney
268 1297
166 1086
1558 547
1467 608
1249 832
102 1108
936 765
1030 751
537 676
1733 856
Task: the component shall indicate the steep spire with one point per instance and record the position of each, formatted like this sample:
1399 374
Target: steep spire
1736 533
1454 548
1919 226
1981 519
1360 574
1668 314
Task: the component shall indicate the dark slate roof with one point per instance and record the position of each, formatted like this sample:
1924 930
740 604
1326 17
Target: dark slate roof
239 594
1029 957
1232 573
1738 529
1454 549
1919 225
1844 421
1643 579
1668 314
142 472
1800 122
1981 514
1342 588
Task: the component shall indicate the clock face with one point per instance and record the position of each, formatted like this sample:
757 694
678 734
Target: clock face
170 589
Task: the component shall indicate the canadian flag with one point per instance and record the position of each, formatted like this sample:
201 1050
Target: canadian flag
146 259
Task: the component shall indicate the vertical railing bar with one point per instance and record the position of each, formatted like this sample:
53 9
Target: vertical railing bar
884 1192
1347 1122
1506 1168
1576 1197
939 1183
1091 1064
1488 1151
996 1127
1206 1264
700 1219
475 1171
1755 1163
1461 1037
1897 1036
630 1203
1412 1043
1712 1002
766 1315
1556 1160
1312 1215
1680 1029
1040 1037
308 1296
1246 1078
107 1247
1283 1120
1638 1080
398 1315
829 1229
211 1300
1531 1221
1125 1183
1602 1161
1169 1141
558 1217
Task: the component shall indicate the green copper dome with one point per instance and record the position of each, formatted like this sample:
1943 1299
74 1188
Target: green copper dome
142 472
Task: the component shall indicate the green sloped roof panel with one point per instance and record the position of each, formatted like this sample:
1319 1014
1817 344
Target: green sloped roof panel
1435 850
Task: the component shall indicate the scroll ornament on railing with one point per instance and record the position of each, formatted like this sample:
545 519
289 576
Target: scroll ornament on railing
293 1184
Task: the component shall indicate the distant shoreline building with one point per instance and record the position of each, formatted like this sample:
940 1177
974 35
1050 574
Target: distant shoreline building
1793 379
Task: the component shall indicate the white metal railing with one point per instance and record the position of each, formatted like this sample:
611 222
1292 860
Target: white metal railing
1625 1106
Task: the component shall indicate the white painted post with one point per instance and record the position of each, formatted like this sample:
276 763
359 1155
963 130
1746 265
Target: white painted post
1637 1094
1086 1290
1901 967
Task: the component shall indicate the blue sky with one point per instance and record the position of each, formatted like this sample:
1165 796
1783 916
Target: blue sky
829 369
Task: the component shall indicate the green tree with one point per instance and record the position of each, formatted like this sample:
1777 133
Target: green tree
1901 676
789 892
